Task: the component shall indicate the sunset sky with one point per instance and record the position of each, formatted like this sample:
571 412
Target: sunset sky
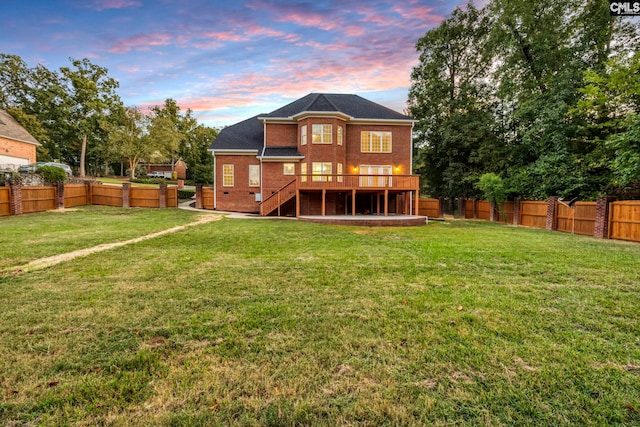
229 60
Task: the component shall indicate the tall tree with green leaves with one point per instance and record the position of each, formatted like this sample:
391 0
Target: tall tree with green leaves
448 93
91 97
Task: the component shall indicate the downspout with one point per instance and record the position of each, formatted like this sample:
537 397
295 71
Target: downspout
264 148
215 182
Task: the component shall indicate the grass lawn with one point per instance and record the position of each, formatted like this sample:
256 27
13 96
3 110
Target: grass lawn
259 322
28 237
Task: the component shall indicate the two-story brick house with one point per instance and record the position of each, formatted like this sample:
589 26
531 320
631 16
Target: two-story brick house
324 154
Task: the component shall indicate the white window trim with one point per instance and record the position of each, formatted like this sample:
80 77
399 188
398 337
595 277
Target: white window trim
284 169
224 184
303 135
250 184
322 141
371 150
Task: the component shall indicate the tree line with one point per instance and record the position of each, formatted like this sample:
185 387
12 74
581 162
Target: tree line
78 117
542 97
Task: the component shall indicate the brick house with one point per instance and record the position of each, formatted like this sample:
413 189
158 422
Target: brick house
324 154
17 146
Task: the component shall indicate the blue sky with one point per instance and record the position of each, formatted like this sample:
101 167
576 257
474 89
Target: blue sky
229 60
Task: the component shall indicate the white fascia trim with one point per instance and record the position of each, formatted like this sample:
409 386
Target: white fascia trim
384 121
336 114
234 152
279 159
282 120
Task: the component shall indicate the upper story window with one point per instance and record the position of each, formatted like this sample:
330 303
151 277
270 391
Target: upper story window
254 175
375 142
321 134
340 135
303 135
227 175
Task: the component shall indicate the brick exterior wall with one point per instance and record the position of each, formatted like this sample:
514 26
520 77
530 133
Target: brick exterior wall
282 135
240 197
516 212
601 229
15 190
12 148
551 223
126 194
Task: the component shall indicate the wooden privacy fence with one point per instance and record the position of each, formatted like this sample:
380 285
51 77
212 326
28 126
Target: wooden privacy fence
625 220
603 219
581 219
533 214
75 195
38 199
105 195
5 201
207 198
17 199
429 207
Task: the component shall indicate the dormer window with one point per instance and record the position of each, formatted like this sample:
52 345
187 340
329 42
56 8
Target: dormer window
321 134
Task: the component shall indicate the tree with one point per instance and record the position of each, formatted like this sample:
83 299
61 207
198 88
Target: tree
91 97
448 93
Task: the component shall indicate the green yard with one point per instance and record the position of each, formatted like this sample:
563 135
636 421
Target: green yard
278 322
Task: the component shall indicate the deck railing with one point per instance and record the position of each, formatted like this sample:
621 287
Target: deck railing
337 182
358 182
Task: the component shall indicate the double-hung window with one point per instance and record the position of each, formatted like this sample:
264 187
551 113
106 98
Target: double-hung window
254 175
340 135
321 171
375 142
227 175
303 135
289 169
321 134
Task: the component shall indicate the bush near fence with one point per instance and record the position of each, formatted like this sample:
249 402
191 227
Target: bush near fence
17 199
604 219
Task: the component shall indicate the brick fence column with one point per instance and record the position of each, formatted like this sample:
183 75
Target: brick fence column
15 202
475 208
199 196
441 206
492 212
516 212
162 198
601 229
461 207
59 195
126 194
552 213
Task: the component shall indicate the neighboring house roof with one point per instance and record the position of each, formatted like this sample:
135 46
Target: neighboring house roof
11 129
249 134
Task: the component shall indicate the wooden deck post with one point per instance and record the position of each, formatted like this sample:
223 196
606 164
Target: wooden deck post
353 202
297 203
386 202
324 204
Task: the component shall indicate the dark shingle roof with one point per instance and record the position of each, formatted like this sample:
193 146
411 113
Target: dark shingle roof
281 152
11 129
249 134
246 135
352 105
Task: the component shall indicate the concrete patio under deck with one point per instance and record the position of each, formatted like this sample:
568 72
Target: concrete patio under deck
367 220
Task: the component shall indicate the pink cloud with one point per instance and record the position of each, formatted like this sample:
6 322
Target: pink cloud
141 42
101 5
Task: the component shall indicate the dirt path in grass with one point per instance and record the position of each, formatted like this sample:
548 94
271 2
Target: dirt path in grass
38 264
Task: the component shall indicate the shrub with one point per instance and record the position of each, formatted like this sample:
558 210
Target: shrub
52 174
186 194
